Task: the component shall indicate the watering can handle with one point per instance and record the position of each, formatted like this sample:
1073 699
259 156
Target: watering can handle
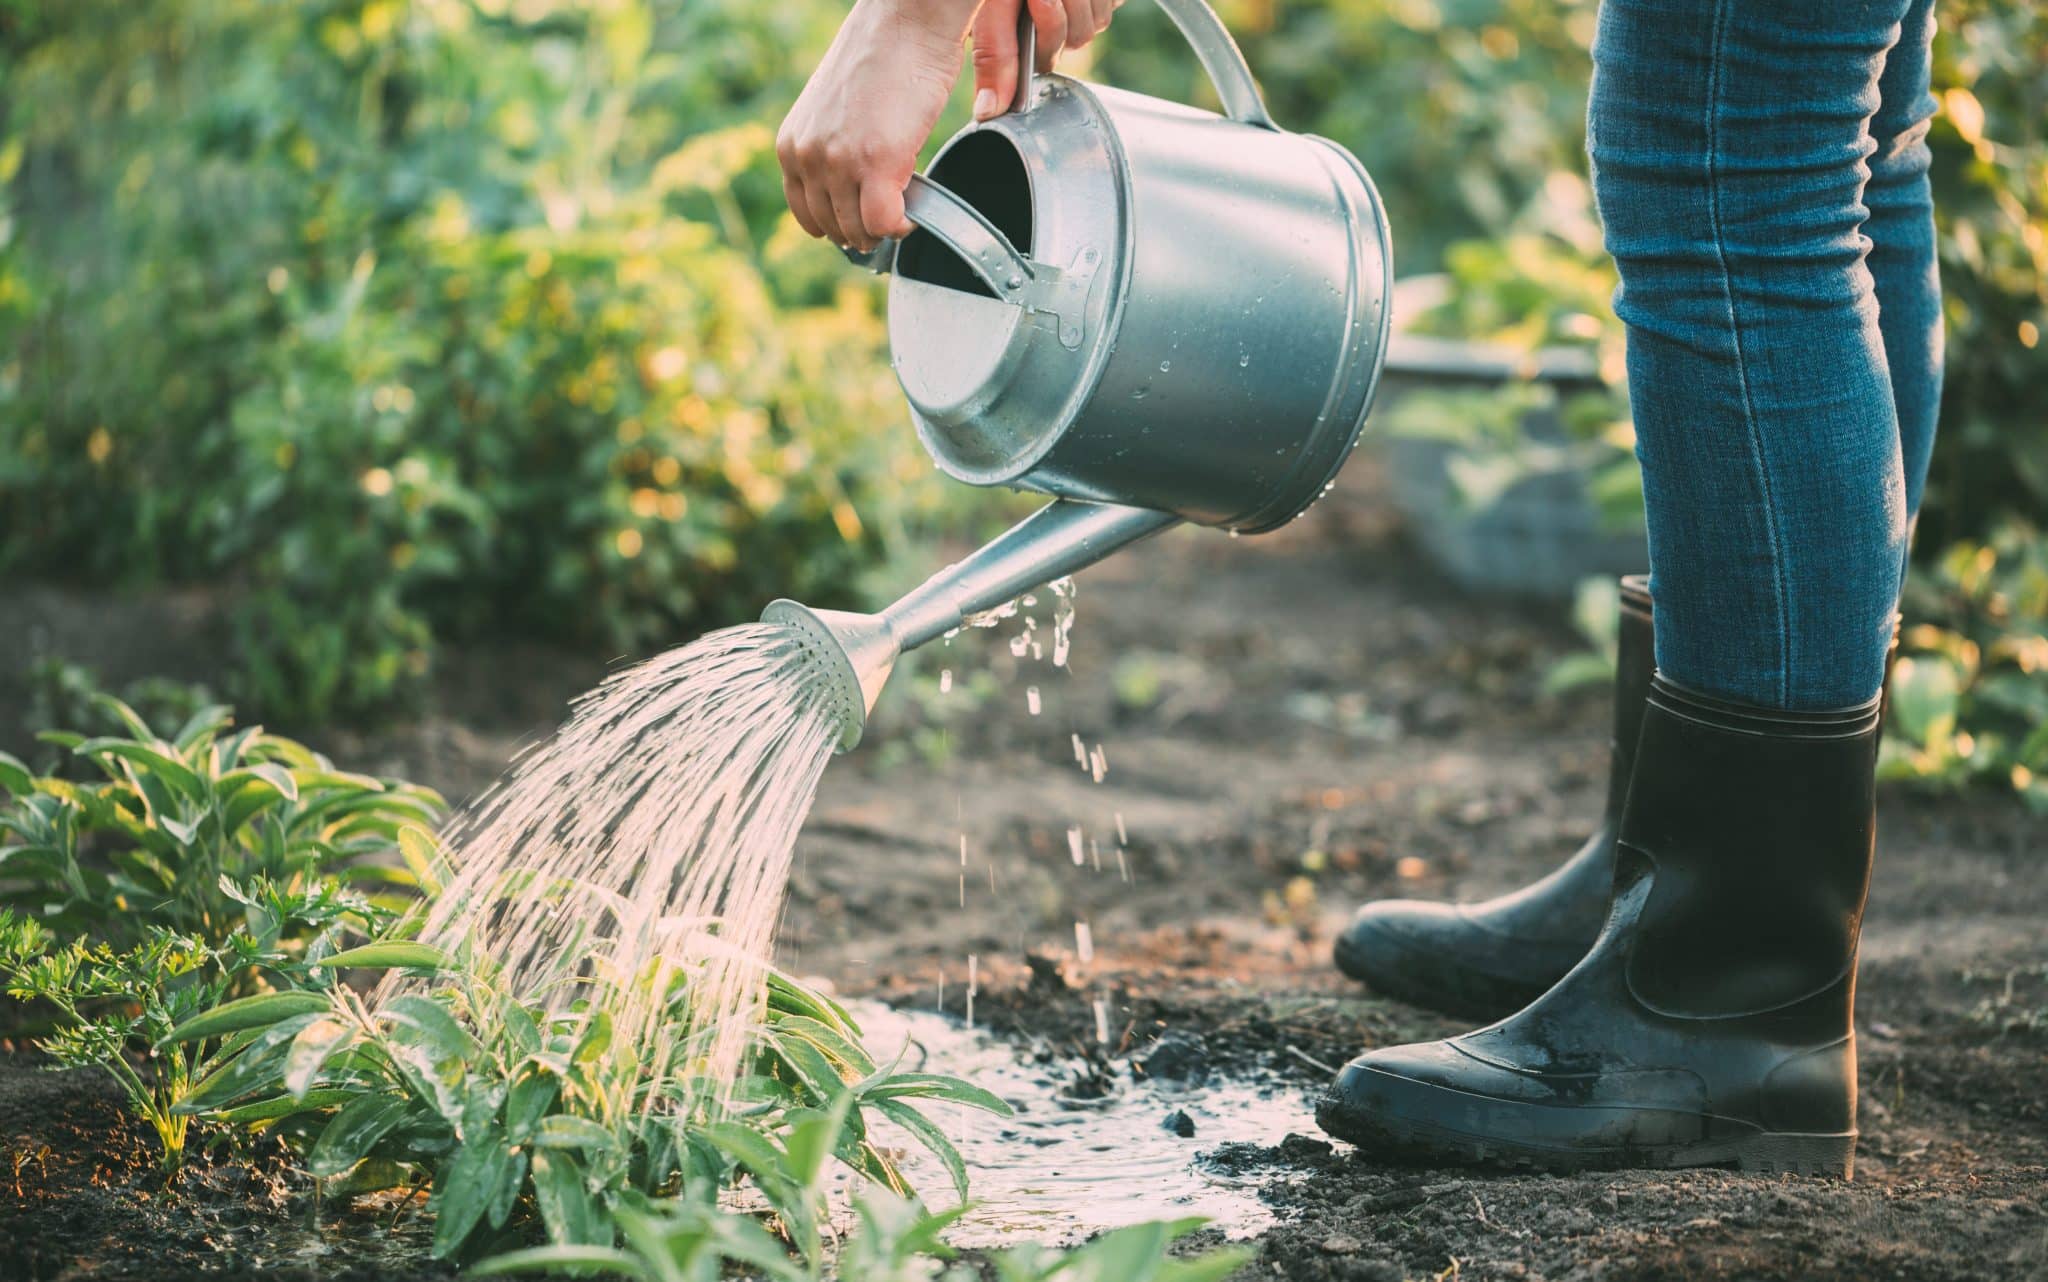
1205 34
1222 59
961 228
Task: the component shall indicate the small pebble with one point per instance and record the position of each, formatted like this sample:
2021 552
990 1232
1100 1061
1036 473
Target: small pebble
1180 1123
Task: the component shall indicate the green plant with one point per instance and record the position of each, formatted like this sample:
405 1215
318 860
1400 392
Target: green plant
177 824
894 1239
61 693
117 1006
512 1112
1596 612
1969 691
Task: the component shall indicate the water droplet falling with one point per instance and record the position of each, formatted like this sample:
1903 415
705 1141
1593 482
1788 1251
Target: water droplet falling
1074 844
946 681
1031 699
1084 942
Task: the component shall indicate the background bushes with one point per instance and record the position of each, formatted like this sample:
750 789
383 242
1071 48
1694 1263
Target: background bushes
408 322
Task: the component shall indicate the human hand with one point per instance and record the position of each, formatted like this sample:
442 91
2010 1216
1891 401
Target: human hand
850 144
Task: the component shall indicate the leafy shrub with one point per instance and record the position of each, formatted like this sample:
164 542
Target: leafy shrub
893 1240
411 322
1499 85
179 828
113 1003
510 1110
61 693
1969 695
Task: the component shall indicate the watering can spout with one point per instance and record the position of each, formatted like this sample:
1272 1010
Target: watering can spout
858 651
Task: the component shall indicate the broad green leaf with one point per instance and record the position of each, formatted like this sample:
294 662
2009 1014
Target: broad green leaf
283 1106
520 1030
246 1012
596 1039
310 1051
813 1071
933 1086
567 1208
532 1092
511 1178
577 1261
813 1136
463 1190
390 955
259 1066
127 715
748 1147
158 764
426 1023
846 1056
15 778
565 1130
786 995
416 846
354 1131
929 1135
209 720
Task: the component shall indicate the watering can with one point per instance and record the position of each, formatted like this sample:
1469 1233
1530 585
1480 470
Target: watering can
1150 312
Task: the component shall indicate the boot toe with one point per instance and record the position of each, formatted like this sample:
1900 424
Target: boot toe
1387 937
1440 957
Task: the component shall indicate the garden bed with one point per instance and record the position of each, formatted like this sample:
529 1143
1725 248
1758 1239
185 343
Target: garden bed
1291 724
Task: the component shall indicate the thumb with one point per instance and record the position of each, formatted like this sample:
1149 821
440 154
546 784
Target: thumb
995 57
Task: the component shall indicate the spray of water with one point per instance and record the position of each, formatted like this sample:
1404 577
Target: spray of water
649 842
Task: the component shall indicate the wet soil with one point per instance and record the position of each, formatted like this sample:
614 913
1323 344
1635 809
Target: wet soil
1291 725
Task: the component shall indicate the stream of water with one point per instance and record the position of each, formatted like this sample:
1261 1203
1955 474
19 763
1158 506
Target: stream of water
650 837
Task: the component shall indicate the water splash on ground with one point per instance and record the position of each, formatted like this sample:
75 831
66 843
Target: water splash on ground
1065 1168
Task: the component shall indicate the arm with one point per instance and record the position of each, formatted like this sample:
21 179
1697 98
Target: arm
850 143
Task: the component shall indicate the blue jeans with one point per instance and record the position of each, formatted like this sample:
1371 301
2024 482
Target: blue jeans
1761 169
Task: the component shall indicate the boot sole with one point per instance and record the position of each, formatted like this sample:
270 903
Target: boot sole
1762 1152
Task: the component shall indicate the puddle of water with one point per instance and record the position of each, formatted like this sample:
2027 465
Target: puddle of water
1063 1170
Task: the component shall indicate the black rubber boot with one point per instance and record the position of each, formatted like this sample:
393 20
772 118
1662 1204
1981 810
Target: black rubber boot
1711 1022
1488 959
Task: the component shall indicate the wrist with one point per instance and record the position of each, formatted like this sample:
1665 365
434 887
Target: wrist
932 21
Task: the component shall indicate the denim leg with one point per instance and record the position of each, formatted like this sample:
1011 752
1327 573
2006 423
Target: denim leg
1729 141
1901 231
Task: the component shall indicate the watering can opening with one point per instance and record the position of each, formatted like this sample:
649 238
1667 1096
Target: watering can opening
987 173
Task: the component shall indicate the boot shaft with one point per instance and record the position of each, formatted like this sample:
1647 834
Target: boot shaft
1755 828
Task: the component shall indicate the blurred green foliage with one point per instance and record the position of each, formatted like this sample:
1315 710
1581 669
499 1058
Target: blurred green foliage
411 321
407 321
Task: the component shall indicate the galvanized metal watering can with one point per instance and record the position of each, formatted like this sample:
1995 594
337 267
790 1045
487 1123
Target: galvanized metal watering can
1150 312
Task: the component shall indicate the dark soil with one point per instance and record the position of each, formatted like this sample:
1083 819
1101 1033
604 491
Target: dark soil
1292 724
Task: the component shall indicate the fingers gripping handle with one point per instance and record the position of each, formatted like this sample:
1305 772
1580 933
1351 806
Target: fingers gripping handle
961 228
